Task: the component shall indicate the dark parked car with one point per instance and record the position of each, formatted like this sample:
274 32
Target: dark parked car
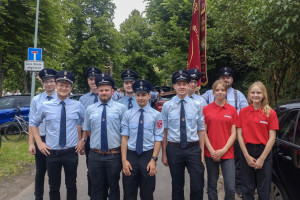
164 97
75 96
286 153
8 105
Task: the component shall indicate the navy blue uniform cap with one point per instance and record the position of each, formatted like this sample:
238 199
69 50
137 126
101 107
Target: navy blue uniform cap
195 74
65 76
104 79
181 75
47 73
226 71
92 71
129 75
142 86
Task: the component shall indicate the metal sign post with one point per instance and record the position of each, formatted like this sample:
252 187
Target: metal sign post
35 45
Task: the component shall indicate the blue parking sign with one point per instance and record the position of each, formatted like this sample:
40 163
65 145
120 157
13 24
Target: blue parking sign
34 54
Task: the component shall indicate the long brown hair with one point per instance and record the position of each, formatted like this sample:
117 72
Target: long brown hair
265 101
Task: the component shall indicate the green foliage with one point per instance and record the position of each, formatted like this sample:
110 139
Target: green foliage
261 39
138 46
93 38
17 34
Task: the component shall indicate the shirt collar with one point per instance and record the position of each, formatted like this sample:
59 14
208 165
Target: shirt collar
146 108
54 95
252 109
57 100
225 106
109 103
186 99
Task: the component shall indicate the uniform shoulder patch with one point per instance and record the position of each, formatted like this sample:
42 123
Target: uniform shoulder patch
159 124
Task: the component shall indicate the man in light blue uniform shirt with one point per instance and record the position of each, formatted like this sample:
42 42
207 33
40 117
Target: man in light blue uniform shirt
88 99
103 124
142 134
183 144
195 77
117 95
128 76
239 101
234 97
48 81
62 138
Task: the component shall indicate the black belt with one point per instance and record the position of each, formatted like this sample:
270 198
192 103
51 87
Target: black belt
62 152
189 144
110 151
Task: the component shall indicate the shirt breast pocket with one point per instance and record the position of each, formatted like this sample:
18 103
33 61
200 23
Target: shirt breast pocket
133 126
148 133
173 121
51 122
191 120
73 116
95 120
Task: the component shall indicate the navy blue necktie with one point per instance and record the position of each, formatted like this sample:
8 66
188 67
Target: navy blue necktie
96 97
130 103
191 97
140 134
49 98
62 131
104 143
183 137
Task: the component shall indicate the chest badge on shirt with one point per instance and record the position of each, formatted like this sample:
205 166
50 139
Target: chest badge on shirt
159 124
227 115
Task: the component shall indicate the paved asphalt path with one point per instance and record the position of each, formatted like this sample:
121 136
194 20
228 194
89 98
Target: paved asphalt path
162 191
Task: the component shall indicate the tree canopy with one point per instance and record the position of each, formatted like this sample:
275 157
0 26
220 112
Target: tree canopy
259 39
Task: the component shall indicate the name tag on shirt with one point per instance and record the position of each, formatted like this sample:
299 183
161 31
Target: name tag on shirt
263 122
228 116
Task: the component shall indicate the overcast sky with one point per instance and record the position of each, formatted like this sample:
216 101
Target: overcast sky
124 8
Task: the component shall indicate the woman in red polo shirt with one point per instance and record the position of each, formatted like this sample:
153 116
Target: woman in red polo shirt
220 118
257 125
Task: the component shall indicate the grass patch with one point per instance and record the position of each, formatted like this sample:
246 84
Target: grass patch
14 157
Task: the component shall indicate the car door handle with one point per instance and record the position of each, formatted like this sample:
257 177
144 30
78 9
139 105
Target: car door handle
289 158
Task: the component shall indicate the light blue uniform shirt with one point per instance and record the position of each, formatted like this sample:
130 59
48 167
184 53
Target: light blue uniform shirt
51 112
241 99
88 99
200 99
117 95
114 114
124 100
36 102
193 115
153 127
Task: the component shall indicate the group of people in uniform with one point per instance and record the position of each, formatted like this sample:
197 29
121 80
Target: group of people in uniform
218 129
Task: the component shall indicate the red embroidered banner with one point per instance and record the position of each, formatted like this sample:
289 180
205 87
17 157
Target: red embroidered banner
204 79
197 44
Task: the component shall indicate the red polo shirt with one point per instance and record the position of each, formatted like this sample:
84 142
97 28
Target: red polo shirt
256 125
219 120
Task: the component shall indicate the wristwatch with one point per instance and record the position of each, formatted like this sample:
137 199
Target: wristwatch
154 158
83 139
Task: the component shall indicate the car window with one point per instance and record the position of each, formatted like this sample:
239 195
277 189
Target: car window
287 128
22 102
6 103
297 137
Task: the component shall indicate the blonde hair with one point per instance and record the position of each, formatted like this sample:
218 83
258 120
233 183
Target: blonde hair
220 82
265 102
